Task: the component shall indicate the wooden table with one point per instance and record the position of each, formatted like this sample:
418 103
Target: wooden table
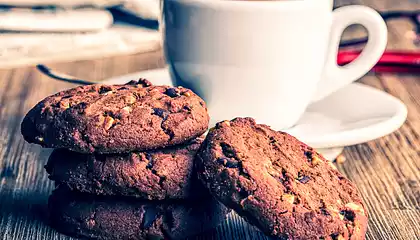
385 170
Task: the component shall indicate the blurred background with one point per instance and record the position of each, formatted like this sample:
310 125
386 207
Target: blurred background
33 31
45 31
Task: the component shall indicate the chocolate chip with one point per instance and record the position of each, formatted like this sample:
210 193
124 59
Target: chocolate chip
105 89
161 180
325 212
149 216
160 112
228 162
172 92
348 215
243 193
132 82
228 150
80 108
150 159
144 82
187 108
309 156
272 140
284 175
335 236
304 179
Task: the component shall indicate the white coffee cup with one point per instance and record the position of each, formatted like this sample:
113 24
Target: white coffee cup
264 59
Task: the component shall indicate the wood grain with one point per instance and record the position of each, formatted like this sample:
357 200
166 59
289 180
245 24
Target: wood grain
386 171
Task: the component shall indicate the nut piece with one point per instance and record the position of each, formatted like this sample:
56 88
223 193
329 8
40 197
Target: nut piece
355 207
289 198
107 93
226 123
316 160
109 121
126 110
340 159
223 124
333 209
64 104
130 99
188 94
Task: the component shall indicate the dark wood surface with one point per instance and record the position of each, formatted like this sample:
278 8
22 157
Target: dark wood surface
387 170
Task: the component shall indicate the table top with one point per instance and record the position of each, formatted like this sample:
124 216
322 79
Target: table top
386 170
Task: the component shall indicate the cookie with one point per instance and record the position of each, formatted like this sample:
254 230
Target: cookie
88 216
154 175
279 184
116 118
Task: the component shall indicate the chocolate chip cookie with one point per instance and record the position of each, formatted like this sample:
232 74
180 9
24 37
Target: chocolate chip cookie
116 118
279 184
93 217
154 175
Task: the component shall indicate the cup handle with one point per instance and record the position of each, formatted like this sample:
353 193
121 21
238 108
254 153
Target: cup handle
334 76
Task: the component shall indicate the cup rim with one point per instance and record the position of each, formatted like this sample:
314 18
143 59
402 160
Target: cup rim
267 5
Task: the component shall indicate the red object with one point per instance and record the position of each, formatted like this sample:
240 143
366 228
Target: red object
390 62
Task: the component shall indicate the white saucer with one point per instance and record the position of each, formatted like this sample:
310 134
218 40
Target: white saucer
353 115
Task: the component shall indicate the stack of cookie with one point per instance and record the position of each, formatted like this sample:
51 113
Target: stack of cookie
124 161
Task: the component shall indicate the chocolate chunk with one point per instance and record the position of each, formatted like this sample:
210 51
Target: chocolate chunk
228 162
303 179
325 212
227 150
160 112
172 92
105 89
348 215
